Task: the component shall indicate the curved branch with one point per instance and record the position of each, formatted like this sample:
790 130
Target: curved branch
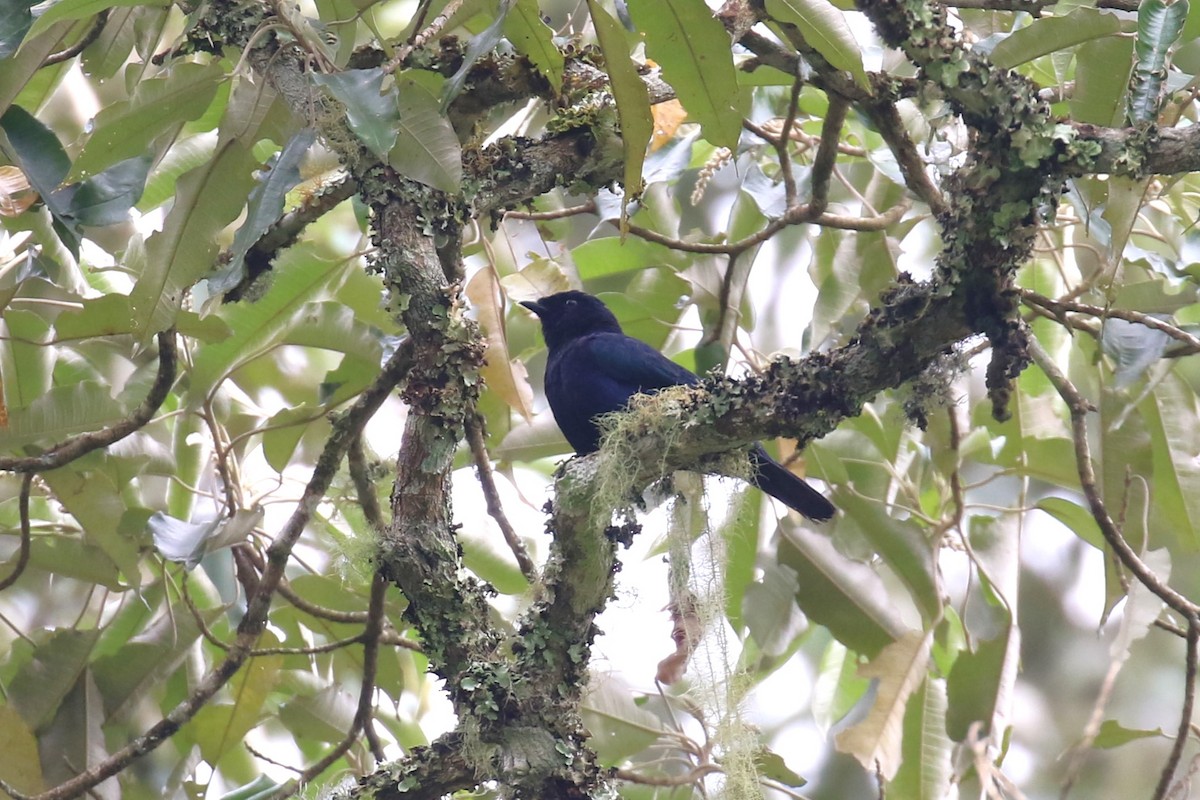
23 554
77 446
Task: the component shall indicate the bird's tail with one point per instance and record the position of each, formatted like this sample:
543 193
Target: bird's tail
774 479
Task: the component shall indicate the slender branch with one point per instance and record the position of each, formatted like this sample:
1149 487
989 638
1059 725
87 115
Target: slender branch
23 553
562 213
487 481
1079 408
1185 714
794 216
93 33
1059 308
71 449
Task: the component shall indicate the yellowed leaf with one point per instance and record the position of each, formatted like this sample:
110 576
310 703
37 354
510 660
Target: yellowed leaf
16 195
668 117
900 668
505 376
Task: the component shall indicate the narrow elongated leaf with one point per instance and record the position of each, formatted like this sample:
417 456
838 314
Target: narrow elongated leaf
630 94
40 686
847 597
264 208
692 48
1170 413
533 39
426 148
824 27
504 375
485 42
925 765
221 726
126 129
1049 34
207 199
1159 24
370 111
81 9
301 276
900 669
20 766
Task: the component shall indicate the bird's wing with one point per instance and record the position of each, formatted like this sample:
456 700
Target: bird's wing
635 363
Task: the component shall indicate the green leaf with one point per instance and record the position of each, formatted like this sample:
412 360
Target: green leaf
619 727
770 610
925 766
301 276
980 685
206 200
426 149
612 255
1113 734
128 128
325 715
1170 414
630 94
61 412
901 544
1075 517
15 20
846 597
264 207
81 9
838 686
484 42
370 112
824 27
534 39
25 359
40 686
218 727
105 199
20 765
1050 34
1102 69
1159 24
693 49
36 149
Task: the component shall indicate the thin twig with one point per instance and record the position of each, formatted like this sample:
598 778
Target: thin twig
1079 408
93 33
1185 714
781 147
75 447
26 536
562 213
1058 308
487 481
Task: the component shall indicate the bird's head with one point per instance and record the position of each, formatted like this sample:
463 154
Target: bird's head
569 315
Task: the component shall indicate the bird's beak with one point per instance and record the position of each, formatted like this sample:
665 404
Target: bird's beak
532 305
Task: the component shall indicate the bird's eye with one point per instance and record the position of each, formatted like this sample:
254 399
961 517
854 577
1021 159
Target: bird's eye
572 303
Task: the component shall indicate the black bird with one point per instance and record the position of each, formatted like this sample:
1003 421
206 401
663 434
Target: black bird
594 369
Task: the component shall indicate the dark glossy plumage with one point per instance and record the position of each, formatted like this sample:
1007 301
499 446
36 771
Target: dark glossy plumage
594 369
